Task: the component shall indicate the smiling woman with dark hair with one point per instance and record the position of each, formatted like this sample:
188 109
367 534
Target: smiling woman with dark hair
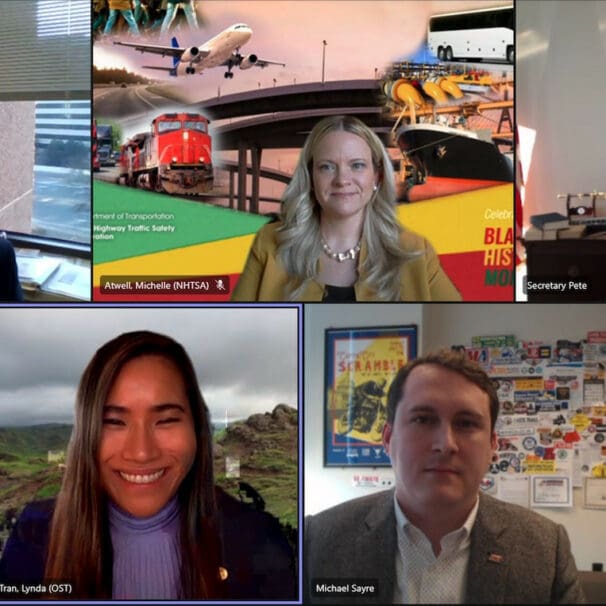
138 515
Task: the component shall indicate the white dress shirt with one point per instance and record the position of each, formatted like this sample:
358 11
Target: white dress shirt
423 578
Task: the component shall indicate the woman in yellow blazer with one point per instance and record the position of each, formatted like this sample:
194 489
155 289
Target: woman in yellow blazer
339 239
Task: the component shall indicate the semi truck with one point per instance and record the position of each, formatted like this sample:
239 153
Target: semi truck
105 145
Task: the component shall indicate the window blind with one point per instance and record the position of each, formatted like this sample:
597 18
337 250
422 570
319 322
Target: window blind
45 49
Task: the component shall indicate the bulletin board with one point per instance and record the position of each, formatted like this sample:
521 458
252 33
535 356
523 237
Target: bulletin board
551 429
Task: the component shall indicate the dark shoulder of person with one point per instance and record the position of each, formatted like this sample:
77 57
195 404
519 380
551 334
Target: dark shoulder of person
24 555
258 557
10 288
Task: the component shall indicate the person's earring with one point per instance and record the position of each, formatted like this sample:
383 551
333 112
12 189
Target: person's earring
375 188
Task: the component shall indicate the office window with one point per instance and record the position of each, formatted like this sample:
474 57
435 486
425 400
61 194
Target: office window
62 170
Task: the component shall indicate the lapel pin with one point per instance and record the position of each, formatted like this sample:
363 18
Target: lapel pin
495 557
223 573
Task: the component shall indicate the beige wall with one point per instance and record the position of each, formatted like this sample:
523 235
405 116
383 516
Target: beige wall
439 325
560 91
327 486
447 325
17 129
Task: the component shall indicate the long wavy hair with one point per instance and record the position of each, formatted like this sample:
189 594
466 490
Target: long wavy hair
299 241
80 550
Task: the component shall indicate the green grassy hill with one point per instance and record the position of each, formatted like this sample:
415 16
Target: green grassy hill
35 440
265 445
25 473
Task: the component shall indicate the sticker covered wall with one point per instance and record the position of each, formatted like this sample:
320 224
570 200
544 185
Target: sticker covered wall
552 419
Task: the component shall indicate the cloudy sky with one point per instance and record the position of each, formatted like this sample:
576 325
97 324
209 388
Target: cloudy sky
361 35
245 359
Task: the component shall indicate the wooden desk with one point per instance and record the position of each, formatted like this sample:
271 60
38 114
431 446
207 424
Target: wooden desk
582 259
594 586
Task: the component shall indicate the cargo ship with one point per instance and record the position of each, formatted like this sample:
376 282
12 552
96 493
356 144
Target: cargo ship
449 160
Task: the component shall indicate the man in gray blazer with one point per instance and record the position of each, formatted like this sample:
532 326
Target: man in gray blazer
435 539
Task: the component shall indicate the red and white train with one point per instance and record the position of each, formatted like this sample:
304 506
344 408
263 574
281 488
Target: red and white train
174 157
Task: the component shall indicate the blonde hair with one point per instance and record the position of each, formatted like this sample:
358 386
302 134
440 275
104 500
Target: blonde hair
299 242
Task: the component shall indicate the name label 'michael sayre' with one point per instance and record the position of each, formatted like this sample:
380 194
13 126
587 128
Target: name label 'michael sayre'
348 587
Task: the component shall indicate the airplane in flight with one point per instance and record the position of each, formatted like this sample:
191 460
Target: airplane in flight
222 50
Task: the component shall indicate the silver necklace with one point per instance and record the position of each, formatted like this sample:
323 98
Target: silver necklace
350 253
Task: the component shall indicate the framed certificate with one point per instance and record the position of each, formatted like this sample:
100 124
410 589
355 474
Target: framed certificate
595 493
551 491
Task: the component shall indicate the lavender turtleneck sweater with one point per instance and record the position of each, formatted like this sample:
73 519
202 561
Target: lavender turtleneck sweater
147 555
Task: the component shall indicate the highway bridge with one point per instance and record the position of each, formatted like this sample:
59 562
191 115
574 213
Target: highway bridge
308 96
281 118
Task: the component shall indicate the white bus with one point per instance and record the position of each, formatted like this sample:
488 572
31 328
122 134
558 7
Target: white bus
478 34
